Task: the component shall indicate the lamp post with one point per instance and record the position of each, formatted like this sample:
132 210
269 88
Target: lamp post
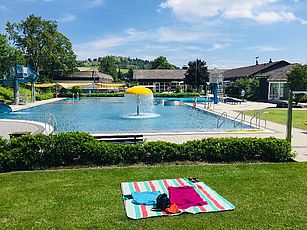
196 74
289 117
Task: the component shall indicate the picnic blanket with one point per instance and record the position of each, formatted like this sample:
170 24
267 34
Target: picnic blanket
214 201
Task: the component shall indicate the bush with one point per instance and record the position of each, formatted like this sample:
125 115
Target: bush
67 149
45 96
303 99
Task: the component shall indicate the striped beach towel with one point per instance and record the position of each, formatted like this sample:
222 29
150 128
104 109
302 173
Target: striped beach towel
215 202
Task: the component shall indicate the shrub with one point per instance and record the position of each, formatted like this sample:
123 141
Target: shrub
27 152
66 149
303 99
159 151
45 96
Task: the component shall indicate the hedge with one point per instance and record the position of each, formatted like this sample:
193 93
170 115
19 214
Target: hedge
70 149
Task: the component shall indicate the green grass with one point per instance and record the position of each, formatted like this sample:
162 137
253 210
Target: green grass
280 116
7 93
266 196
88 68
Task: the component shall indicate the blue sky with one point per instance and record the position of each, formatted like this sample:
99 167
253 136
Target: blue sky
224 33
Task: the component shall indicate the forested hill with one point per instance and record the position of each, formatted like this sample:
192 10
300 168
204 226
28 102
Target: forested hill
133 63
122 63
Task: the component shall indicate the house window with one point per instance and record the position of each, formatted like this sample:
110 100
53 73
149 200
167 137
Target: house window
274 88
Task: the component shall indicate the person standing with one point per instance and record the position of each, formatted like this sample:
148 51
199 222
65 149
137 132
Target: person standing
242 94
195 102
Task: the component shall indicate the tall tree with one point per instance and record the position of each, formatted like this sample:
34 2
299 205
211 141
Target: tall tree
197 73
44 47
161 63
297 78
108 65
8 56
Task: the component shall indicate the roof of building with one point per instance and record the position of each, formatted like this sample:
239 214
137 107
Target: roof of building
85 76
216 71
165 74
159 74
89 74
252 70
279 74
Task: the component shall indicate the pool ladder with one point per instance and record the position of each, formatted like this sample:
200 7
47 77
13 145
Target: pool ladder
257 119
239 119
50 122
221 120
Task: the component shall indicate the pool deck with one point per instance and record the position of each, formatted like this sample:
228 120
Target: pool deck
12 126
299 143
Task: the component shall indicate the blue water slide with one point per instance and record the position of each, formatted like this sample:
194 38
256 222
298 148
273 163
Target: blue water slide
24 74
5 108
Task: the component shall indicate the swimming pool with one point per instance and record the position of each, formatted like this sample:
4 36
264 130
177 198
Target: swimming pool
107 115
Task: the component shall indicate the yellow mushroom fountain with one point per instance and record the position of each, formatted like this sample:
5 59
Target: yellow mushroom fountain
141 98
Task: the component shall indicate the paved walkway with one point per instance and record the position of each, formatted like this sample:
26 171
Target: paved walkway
37 103
11 126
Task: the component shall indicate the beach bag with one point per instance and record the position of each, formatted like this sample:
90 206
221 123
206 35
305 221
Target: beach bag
163 202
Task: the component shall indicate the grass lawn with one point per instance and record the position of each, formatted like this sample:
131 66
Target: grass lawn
88 68
280 116
266 196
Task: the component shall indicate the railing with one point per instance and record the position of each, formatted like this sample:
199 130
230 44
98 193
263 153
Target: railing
50 122
257 119
208 103
223 116
238 121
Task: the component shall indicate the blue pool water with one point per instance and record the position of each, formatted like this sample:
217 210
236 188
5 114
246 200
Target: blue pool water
107 115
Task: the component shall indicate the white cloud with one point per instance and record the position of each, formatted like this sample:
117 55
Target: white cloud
262 11
166 34
263 48
217 46
271 17
96 2
101 46
3 7
161 39
67 18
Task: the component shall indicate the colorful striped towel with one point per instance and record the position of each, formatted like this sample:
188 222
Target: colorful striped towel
215 202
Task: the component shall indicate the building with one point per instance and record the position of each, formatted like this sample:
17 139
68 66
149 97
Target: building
85 77
160 80
89 81
163 80
263 72
278 83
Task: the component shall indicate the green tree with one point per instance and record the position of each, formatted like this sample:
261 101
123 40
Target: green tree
9 56
250 86
197 73
297 78
108 65
44 47
161 63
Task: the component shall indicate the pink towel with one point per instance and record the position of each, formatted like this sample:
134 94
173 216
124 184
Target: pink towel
185 197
